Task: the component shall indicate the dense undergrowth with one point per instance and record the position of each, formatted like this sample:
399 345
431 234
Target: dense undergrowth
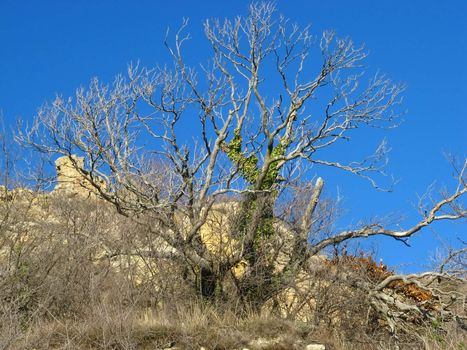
76 275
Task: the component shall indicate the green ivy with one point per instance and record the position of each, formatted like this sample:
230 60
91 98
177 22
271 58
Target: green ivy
273 171
248 165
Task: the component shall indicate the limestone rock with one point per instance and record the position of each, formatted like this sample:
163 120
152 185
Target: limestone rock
73 179
315 347
263 343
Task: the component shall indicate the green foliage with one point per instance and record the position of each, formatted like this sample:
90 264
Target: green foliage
247 165
273 171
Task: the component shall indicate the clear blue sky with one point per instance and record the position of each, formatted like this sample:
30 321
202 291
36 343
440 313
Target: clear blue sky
54 46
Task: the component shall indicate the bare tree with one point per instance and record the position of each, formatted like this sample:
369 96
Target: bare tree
272 98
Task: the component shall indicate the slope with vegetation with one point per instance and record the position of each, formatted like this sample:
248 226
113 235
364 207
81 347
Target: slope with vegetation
154 237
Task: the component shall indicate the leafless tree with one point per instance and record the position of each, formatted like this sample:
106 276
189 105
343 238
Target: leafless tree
264 109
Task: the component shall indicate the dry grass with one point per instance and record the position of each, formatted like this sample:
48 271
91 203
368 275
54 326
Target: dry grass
195 325
189 327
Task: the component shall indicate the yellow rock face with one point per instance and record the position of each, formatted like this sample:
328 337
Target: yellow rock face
71 180
68 177
215 233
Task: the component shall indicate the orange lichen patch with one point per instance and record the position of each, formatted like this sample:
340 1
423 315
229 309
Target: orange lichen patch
378 272
412 291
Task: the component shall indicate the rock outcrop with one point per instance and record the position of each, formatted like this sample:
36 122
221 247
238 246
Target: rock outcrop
72 178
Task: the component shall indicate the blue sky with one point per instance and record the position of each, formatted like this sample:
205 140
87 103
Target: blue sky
54 46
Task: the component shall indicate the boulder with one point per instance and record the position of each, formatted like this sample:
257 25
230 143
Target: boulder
315 347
